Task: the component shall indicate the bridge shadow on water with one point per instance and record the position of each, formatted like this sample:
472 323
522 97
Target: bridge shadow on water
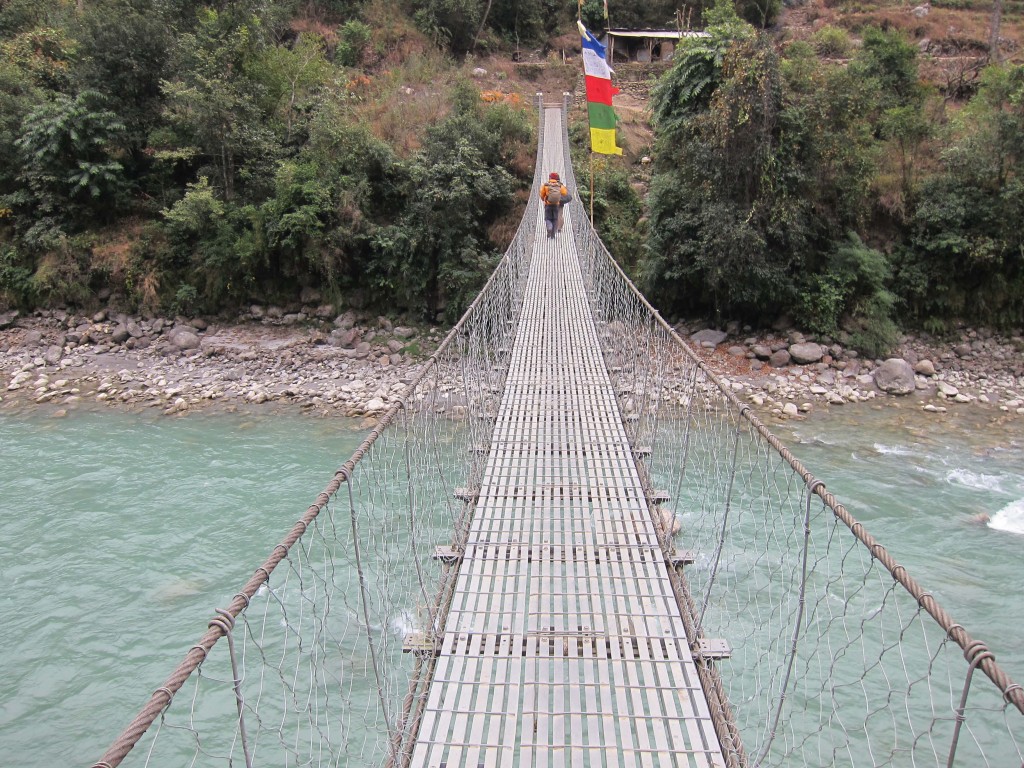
810 644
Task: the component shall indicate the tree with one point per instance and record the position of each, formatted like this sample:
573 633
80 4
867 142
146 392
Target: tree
993 38
686 89
289 78
70 173
215 108
890 59
45 54
965 256
124 49
451 23
18 96
851 296
763 168
434 259
727 226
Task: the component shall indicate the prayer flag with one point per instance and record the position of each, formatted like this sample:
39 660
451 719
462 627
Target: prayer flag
598 76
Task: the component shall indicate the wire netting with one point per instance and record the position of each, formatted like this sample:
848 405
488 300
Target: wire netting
326 656
838 657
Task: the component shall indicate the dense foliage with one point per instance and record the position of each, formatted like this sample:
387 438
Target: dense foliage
775 172
189 157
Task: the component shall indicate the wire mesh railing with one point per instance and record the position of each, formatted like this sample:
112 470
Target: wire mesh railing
839 657
309 664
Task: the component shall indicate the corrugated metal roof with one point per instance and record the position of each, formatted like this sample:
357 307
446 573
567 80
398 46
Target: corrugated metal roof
661 34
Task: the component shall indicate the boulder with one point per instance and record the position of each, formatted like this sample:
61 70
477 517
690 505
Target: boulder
806 353
7 319
895 376
761 352
708 336
53 354
925 368
345 321
120 335
404 332
780 359
185 339
344 338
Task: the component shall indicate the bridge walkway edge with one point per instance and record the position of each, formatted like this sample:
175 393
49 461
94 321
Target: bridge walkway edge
563 644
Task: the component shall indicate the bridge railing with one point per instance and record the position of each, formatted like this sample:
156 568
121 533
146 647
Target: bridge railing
323 655
838 656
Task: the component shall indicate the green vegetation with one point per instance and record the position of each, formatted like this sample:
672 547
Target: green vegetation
186 157
787 184
192 158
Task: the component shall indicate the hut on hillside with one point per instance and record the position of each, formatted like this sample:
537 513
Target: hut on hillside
644 45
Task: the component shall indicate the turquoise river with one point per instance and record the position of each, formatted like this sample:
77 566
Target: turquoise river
121 532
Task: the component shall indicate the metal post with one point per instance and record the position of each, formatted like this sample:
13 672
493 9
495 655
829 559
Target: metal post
226 622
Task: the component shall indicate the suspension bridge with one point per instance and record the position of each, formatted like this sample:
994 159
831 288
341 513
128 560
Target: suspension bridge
569 544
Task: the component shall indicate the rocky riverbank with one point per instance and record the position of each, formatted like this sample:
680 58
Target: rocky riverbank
355 365
337 366
785 373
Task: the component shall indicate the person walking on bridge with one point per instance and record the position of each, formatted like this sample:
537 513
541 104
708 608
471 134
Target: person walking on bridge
554 194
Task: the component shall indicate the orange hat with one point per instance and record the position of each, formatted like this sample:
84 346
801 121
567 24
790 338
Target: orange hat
553 176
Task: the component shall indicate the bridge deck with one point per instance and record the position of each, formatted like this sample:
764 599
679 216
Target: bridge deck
563 645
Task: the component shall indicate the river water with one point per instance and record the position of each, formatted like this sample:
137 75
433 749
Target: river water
121 532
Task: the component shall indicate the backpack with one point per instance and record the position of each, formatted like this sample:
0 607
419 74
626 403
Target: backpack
554 193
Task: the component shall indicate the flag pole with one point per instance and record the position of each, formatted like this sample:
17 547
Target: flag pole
591 187
606 26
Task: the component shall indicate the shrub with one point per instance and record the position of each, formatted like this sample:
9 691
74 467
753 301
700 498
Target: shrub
831 42
851 295
355 36
185 300
69 169
15 280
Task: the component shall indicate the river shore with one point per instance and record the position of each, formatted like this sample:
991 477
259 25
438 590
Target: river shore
355 365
